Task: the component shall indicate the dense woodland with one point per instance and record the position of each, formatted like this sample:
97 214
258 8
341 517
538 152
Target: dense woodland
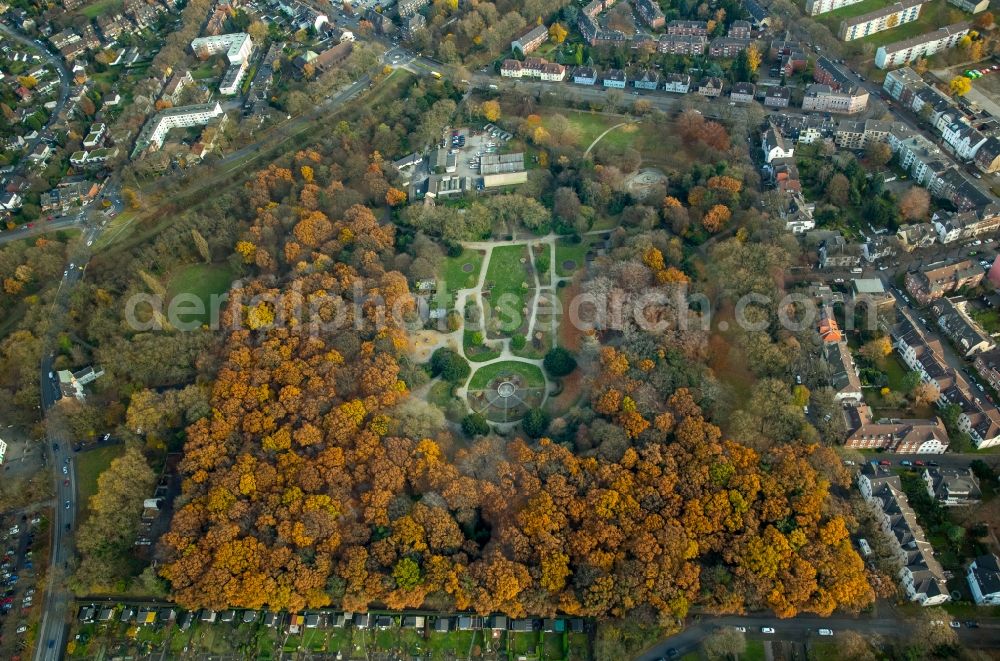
301 491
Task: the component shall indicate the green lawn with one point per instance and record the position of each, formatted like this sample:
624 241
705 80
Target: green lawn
755 651
566 250
589 125
934 15
206 70
480 353
508 285
455 277
988 319
205 281
99 7
532 374
89 465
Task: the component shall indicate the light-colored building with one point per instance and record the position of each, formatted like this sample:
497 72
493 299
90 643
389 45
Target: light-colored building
530 40
816 7
885 18
237 46
971 6
159 125
502 169
916 436
983 576
678 83
774 146
821 98
921 577
925 45
963 139
952 487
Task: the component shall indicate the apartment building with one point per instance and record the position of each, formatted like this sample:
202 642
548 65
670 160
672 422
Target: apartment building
952 487
817 7
820 97
885 18
954 226
740 30
855 134
159 125
918 156
968 337
727 47
963 139
971 6
530 40
680 44
695 28
987 158
650 12
237 46
987 365
983 576
921 577
648 79
916 436
929 284
925 45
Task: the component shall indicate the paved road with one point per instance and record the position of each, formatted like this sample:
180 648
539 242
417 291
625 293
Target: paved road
802 628
64 80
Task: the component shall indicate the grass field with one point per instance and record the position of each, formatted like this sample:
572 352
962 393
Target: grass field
567 250
755 651
95 9
204 281
532 374
508 284
934 15
453 275
89 466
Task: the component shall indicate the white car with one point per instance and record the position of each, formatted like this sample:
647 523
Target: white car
741 629
826 632
766 630
22 628
955 624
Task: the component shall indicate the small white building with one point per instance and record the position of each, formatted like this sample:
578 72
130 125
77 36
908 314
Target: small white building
983 575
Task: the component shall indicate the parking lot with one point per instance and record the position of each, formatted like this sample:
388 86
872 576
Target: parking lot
471 144
23 535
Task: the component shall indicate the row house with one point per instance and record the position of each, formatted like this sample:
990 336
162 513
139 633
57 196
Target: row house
820 97
929 284
921 575
650 13
987 158
112 25
987 365
774 145
884 18
682 44
963 139
805 129
923 46
956 187
965 333
695 28
728 47
917 436
595 35
980 420
963 226
843 373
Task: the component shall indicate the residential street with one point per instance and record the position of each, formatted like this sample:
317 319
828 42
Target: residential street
805 627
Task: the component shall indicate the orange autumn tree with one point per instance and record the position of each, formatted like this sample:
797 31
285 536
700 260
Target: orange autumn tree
301 491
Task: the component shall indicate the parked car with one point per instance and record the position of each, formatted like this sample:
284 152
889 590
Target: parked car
826 632
766 630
